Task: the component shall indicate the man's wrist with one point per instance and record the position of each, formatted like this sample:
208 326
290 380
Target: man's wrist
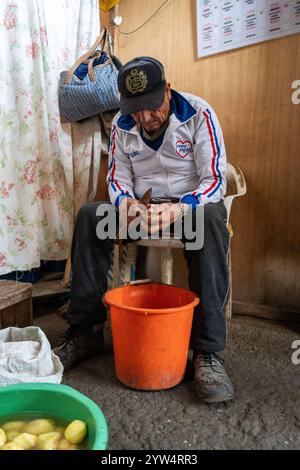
191 200
184 208
121 198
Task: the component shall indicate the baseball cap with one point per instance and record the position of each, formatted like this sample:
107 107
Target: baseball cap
142 84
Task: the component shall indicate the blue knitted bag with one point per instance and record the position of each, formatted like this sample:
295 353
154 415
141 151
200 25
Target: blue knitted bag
83 95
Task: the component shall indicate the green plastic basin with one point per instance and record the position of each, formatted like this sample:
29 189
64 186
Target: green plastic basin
57 401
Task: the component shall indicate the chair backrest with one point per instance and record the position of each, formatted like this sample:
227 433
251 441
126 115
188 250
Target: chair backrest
236 183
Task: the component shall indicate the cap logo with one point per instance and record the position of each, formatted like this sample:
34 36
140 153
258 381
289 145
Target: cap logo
136 81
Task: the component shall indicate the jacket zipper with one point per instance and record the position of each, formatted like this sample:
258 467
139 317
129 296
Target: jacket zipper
165 177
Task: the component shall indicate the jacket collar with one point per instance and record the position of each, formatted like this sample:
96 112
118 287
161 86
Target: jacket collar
182 109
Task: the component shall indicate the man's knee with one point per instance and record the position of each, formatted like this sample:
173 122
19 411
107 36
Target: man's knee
87 213
214 213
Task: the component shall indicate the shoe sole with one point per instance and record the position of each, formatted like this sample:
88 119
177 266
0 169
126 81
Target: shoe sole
217 399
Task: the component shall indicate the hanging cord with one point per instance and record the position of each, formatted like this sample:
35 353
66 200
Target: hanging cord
135 30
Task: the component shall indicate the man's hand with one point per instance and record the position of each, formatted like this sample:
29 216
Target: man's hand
161 216
130 208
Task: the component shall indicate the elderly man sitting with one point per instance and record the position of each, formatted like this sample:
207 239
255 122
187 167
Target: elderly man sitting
173 143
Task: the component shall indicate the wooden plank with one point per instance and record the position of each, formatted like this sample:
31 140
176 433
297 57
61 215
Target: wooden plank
265 311
13 292
19 315
161 243
51 276
48 289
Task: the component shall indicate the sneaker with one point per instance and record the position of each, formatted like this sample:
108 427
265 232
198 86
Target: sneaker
79 343
211 380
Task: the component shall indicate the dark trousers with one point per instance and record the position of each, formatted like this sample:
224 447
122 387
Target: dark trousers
208 276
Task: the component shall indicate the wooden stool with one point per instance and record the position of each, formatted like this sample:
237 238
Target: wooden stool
15 304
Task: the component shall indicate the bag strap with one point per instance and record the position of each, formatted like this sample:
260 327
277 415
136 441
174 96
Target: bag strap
91 71
110 44
101 38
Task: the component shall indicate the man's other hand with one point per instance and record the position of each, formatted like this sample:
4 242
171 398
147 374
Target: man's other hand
161 216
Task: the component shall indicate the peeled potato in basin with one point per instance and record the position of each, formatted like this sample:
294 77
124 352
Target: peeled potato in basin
42 434
39 426
11 435
25 440
11 446
76 432
3 437
13 426
48 441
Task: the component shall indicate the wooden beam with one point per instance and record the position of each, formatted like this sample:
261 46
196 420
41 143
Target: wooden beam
15 304
13 292
45 289
265 311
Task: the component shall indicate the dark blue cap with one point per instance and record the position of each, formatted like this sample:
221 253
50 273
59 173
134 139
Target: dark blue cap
141 84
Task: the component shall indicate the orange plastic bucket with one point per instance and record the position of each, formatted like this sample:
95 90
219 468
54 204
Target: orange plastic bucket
151 327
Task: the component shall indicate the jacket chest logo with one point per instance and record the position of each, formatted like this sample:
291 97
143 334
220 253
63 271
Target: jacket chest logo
183 148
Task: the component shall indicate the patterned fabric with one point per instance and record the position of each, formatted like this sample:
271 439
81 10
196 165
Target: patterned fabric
48 170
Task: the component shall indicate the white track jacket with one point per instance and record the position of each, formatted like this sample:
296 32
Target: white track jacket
190 163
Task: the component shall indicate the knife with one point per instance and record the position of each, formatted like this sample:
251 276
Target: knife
146 198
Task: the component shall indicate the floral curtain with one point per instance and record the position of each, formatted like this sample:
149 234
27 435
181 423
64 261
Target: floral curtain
48 169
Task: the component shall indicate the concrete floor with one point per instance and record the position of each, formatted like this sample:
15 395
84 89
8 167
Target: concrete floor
264 415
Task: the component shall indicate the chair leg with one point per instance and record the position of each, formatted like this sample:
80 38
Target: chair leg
117 265
124 263
228 308
166 265
129 262
116 275
66 282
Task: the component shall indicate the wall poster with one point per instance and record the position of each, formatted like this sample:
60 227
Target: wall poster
223 25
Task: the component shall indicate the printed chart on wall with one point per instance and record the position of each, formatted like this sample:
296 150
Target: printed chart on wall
230 24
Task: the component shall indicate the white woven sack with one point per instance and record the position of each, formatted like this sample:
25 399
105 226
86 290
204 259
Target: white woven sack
26 356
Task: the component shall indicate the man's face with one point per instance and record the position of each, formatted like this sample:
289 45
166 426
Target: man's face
152 119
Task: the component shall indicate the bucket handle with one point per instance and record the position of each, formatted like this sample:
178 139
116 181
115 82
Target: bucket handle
138 281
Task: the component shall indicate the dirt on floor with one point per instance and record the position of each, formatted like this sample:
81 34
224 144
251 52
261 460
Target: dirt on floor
265 413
